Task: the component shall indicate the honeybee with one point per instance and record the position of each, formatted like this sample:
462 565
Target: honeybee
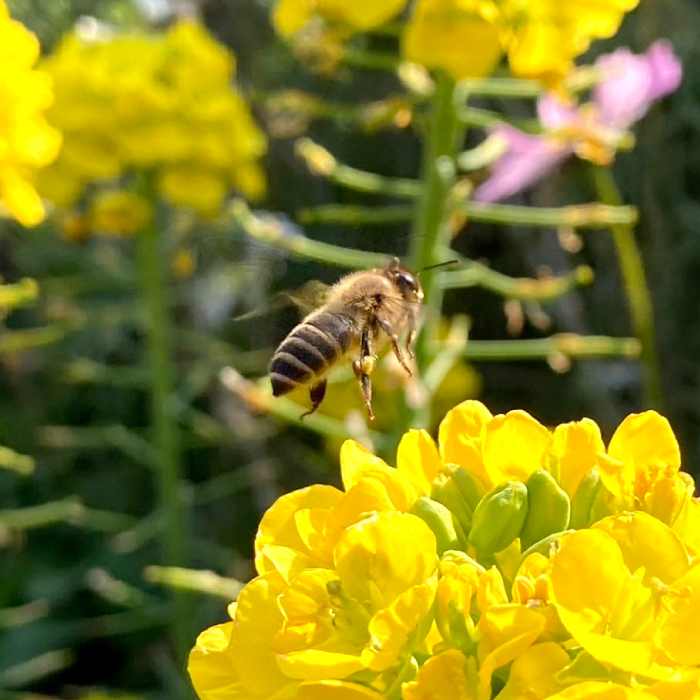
361 312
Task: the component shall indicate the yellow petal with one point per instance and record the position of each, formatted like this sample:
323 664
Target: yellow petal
595 690
258 621
210 666
319 664
464 420
438 31
533 674
679 634
289 16
491 590
576 446
587 576
384 555
442 677
392 628
646 542
514 446
667 495
618 478
643 440
418 459
356 464
506 633
335 690
459 437
279 527
688 690
20 197
687 525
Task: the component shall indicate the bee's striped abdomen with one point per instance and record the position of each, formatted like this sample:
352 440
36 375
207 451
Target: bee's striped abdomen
309 350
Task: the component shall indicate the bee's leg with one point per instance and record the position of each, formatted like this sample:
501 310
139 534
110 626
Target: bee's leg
412 326
363 369
316 394
384 325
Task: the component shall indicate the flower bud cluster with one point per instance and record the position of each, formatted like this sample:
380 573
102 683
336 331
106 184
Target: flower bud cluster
506 561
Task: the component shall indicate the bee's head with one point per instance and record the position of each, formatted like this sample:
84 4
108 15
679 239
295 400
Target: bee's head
406 282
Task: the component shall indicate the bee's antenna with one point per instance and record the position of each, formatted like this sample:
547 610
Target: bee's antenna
442 264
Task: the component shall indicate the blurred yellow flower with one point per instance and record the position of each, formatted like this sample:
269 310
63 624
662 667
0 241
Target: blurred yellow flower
118 212
380 590
163 104
456 36
292 16
541 38
27 142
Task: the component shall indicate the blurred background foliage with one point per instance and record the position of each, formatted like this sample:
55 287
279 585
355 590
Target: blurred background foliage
77 613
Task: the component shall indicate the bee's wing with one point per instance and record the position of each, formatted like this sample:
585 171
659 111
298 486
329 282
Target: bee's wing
306 298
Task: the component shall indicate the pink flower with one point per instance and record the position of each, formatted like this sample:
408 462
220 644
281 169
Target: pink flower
630 84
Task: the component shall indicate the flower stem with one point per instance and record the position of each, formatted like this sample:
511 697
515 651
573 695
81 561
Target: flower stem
175 532
431 233
634 280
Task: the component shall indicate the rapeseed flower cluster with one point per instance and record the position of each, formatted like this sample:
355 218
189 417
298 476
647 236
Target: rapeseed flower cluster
156 104
27 141
506 561
466 38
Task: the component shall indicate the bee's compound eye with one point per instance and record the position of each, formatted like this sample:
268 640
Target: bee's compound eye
406 282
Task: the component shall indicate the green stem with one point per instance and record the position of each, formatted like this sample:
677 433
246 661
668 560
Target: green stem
189 580
471 274
431 233
355 215
166 434
566 344
375 60
322 162
574 215
636 288
278 236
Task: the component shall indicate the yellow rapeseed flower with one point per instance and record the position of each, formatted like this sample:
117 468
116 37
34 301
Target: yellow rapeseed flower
27 142
359 596
292 16
159 104
541 38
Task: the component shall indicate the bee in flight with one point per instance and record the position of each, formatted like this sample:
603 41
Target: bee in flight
361 312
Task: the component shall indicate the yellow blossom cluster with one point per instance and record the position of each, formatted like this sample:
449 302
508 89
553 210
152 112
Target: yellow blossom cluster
157 104
27 142
468 38
506 561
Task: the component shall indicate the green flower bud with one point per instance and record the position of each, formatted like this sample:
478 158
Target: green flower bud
445 491
499 517
471 487
583 499
439 519
548 508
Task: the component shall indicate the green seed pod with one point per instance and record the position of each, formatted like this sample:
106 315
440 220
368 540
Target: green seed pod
549 508
439 519
499 517
583 499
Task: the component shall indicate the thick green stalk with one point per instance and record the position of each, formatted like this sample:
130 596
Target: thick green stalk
636 288
175 532
431 233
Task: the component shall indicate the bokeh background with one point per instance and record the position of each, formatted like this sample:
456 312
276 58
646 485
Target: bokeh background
78 613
